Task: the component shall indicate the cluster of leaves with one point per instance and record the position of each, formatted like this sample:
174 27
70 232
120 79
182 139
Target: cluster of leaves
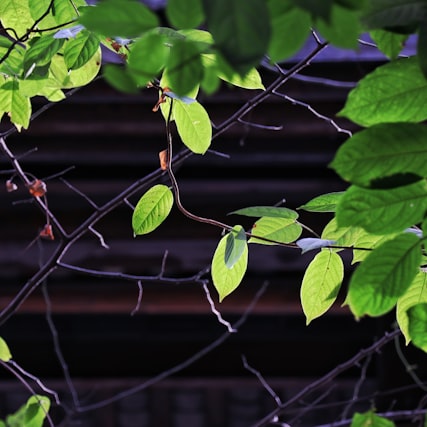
54 45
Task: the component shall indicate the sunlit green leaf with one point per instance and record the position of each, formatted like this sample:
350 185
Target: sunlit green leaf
370 419
290 29
16 14
394 92
270 211
323 203
184 13
15 104
13 64
417 293
321 283
68 79
32 414
366 241
241 29
48 87
283 230
389 43
61 12
225 279
5 354
383 211
125 18
152 209
193 125
235 245
417 325
147 56
78 51
343 236
384 276
383 150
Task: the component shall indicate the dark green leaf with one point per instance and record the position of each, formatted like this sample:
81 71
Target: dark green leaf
185 13
290 27
393 13
235 245
184 67
41 52
383 150
118 77
80 50
383 211
324 203
394 92
321 284
125 18
270 211
388 43
147 57
152 209
422 47
384 276
342 28
241 30
417 325
317 9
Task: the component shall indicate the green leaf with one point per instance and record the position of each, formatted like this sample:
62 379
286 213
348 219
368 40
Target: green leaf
80 50
235 246
48 87
184 66
290 27
68 79
41 52
342 28
185 13
61 12
370 419
343 236
125 18
193 125
13 64
321 284
417 325
388 43
225 279
383 150
323 203
118 77
32 414
152 209
368 241
241 30
270 211
15 104
394 92
417 293
384 276
383 211
147 57
422 46
318 9
284 230
16 14
393 13
5 354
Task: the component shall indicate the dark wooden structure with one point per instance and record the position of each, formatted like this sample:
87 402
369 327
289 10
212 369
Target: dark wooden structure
111 140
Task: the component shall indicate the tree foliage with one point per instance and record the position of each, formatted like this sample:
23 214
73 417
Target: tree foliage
50 47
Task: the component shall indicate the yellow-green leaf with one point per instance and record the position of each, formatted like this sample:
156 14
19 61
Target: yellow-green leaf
5 354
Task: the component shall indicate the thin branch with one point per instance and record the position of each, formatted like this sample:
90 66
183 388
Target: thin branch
138 303
100 237
260 126
181 366
326 379
216 312
80 193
